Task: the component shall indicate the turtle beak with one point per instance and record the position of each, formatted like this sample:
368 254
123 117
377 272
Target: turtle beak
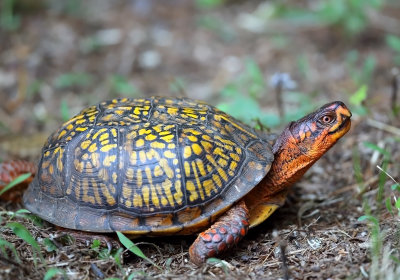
343 116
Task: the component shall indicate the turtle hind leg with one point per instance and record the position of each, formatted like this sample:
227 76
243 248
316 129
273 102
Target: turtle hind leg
10 170
226 232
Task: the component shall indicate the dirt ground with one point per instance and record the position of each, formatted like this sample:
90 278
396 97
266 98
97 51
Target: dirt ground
62 58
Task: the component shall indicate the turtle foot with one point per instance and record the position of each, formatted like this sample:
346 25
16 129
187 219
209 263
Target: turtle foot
226 232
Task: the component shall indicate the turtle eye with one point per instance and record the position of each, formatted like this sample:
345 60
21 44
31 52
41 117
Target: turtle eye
327 119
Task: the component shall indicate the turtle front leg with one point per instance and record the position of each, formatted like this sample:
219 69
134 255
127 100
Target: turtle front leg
226 232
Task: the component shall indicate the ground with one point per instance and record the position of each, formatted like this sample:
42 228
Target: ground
57 58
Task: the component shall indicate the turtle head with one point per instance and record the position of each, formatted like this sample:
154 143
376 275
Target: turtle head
303 142
317 132
298 147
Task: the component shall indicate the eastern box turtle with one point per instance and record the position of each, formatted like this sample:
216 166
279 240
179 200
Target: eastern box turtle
160 166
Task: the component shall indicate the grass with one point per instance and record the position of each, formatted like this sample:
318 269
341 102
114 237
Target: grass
384 254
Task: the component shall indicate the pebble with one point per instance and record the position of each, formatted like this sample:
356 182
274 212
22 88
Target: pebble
109 37
149 59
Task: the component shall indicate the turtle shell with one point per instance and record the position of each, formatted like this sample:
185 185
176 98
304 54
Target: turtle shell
154 166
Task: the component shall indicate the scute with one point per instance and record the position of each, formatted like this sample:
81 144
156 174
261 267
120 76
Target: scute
155 165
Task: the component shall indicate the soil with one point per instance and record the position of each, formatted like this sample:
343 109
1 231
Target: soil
61 59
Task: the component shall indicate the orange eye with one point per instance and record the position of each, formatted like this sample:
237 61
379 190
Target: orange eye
327 119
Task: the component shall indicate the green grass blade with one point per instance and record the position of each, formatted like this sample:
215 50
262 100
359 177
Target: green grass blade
15 182
5 244
53 272
22 232
133 248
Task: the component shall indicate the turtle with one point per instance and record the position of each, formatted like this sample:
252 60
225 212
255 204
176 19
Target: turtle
163 166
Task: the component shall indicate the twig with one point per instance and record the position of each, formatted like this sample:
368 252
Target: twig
387 174
285 268
384 127
278 92
14 263
395 89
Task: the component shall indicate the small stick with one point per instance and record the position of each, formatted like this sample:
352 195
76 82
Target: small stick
278 92
285 268
395 89
384 127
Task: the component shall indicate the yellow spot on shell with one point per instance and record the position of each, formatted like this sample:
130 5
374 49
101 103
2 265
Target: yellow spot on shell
218 151
81 121
62 133
85 144
164 201
137 200
103 137
144 131
198 183
86 197
152 154
146 195
169 154
178 194
133 158
108 160
95 188
234 156
109 198
51 169
131 135
187 152
93 148
114 177
196 149
217 180
139 177
207 146
80 129
114 132
142 156
150 137
192 189
192 138
119 112
200 166
187 168
222 173
167 169
158 171
166 185
171 146
108 147
158 145
168 138
139 143
154 197
222 162
126 191
209 186
233 166
172 111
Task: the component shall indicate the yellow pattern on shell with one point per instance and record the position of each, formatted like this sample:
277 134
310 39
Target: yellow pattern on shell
147 157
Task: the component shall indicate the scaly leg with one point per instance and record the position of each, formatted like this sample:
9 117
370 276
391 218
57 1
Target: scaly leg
226 232
10 170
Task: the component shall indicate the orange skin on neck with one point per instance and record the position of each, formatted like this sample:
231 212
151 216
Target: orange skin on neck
299 146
